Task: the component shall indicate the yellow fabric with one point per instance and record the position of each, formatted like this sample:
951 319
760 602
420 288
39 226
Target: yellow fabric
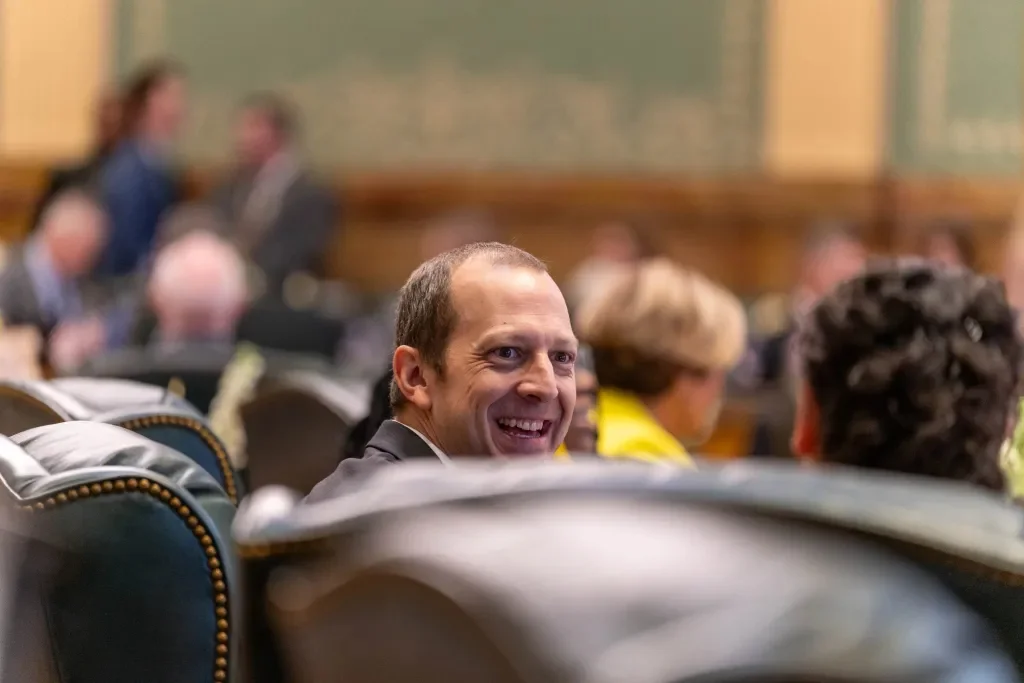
626 429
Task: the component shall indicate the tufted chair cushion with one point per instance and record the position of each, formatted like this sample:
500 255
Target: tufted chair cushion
145 409
138 572
606 572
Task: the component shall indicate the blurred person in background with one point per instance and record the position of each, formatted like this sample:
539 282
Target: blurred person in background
482 366
1013 264
663 340
107 122
130 321
45 282
457 229
137 180
913 368
583 429
949 242
831 255
615 245
197 291
279 216
194 292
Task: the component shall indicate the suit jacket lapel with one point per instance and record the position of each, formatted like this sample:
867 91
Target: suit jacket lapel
398 440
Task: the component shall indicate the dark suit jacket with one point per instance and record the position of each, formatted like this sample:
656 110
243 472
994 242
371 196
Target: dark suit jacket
19 302
295 238
137 191
393 443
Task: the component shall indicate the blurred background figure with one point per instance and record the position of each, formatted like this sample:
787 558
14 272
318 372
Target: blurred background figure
107 123
457 229
137 181
129 319
1013 264
663 338
949 242
582 436
45 281
197 291
615 244
278 215
833 254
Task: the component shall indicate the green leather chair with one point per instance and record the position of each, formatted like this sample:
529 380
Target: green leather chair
129 575
152 411
591 572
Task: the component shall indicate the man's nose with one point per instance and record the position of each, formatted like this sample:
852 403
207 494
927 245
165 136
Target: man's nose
539 383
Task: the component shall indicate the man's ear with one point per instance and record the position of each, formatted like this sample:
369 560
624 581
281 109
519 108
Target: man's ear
806 441
412 376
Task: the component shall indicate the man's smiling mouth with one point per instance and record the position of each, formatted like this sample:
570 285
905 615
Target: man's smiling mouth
524 428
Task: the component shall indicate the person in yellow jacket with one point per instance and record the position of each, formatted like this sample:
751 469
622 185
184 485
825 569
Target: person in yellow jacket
664 339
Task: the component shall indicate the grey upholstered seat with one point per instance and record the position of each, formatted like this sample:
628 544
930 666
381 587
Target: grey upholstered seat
611 572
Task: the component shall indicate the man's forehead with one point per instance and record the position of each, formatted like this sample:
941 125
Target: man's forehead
482 290
480 275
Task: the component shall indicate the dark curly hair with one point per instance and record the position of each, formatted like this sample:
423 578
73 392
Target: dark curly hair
915 369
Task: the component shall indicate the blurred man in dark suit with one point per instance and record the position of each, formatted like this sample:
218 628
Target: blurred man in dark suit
279 217
42 284
833 254
483 364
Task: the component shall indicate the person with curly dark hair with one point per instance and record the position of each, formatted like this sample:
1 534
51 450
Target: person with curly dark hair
911 367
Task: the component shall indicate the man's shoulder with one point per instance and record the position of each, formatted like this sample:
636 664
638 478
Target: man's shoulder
351 472
391 444
14 276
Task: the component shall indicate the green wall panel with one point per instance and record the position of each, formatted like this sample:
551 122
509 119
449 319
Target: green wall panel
956 80
566 84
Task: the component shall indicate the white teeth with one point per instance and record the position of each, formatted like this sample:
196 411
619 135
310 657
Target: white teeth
525 425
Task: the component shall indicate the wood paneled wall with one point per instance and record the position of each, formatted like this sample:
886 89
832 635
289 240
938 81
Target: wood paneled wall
746 232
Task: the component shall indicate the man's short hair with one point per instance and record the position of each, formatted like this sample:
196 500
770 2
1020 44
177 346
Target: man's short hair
278 112
426 316
915 369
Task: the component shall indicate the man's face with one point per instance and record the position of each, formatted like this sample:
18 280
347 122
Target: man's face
255 138
837 263
77 249
508 387
167 105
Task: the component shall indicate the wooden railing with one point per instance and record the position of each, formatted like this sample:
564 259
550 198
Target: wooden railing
744 231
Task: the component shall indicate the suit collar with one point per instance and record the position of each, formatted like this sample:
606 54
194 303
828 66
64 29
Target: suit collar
401 442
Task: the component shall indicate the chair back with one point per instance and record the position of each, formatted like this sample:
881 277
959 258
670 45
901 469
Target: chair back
595 572
296 427
139 579
152 411
271 324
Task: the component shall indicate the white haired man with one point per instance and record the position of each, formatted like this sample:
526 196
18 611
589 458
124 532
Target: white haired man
197 291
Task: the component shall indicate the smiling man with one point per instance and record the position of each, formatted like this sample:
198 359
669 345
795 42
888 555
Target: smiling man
483 364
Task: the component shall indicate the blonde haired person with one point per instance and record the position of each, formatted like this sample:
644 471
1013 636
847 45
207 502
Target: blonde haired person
663 338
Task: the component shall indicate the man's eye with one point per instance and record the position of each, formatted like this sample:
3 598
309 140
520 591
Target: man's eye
507 353
563 357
